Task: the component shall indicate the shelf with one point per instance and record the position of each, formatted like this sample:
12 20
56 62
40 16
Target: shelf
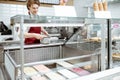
70 3
47 19
22 3
13 2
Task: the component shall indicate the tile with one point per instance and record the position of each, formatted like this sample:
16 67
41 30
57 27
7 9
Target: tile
64 64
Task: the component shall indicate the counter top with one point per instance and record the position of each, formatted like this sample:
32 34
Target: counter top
7 39
17 46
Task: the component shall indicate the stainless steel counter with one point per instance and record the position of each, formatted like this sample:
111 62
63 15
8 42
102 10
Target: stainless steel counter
17 46
1 74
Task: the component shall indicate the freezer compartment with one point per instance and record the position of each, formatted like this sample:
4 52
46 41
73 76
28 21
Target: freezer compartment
13 58
51 56
36 54
57 67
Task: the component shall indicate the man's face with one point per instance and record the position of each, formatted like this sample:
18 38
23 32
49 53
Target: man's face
34 9
61 2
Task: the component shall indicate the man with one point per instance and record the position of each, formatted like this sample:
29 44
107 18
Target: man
33 34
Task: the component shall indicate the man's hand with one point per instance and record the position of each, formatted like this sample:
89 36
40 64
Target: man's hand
39 36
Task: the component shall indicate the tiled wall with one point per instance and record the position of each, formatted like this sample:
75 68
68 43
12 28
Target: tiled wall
9 10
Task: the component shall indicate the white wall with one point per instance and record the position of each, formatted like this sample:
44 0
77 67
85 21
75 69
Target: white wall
113 7
80 6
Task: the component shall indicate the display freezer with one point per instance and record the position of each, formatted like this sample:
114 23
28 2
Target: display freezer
50 58
84 49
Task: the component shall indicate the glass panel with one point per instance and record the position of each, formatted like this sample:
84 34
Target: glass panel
115 28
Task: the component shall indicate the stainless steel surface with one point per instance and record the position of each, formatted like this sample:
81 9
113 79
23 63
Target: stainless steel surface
103 48
1 54
4 41
17 46
22 47
1 75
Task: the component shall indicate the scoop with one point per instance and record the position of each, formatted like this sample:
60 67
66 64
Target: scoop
45 40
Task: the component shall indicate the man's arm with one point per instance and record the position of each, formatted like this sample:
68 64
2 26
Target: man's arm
44 31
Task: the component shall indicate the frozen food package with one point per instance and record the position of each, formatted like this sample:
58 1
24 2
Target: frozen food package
67 73
41 68
38 77
54 76
30 71
64 64
80 71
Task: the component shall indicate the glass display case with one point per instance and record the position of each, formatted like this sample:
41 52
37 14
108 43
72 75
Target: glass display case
115 26
80 51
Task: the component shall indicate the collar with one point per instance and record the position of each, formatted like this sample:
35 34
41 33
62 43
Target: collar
33 16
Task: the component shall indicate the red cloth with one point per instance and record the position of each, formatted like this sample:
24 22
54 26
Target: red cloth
33 40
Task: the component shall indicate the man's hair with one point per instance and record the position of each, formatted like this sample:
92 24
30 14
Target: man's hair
30 2
65 1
